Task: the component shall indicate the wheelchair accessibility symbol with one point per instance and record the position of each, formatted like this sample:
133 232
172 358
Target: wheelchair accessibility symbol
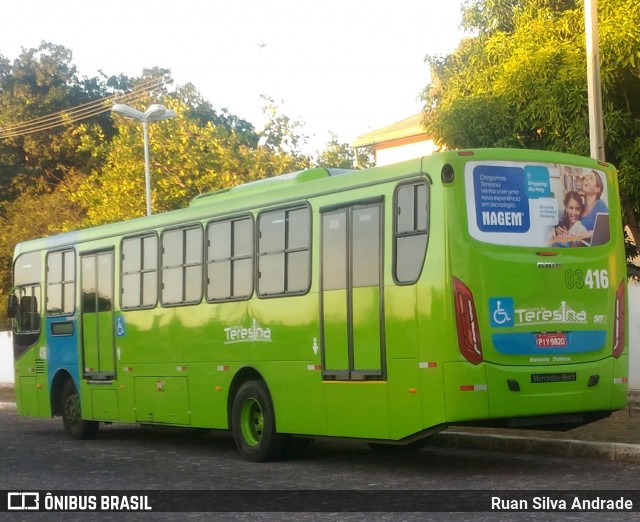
120 330
502 311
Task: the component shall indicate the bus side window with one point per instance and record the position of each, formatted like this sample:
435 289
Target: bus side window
284 257
61 281
139 272
411 231
182 251
30 314
230 259
27 292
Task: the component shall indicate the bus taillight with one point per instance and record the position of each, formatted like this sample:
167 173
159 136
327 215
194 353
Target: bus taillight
619 323
467 323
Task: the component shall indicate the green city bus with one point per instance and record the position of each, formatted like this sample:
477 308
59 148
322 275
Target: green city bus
477 287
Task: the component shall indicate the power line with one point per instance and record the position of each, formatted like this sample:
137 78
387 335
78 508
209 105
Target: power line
81 112
65 118
148 84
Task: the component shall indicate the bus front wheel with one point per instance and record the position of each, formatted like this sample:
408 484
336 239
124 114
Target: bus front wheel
76 427
253 424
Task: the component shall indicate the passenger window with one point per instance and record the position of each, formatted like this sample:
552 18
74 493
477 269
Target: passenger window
182 266
139 272
411 232
61 282
334 250
230 259
284 243
366 246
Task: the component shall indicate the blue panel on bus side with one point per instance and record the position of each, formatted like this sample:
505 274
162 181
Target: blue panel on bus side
62 344
522 343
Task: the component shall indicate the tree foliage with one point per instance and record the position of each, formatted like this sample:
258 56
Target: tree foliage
43 81
493 16
194 153
521 82
91 172
38 211
342 156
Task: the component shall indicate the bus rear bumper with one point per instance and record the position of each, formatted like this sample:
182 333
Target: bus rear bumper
489 391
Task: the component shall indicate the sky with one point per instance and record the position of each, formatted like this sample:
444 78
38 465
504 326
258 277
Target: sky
339 66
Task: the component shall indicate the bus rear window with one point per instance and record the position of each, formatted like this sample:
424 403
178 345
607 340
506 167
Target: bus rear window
537 205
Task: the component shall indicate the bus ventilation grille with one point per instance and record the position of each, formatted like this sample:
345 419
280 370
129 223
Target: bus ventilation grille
39 366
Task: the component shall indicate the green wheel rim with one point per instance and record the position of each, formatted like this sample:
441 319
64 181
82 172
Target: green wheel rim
252 422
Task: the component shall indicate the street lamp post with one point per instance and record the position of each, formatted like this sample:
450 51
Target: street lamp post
594 92
155 112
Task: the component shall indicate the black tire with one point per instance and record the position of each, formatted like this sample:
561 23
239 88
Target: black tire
253 424
299 448
72 415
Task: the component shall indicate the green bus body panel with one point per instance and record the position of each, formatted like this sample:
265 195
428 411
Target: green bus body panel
32 398
358 409
376 362
492 398
405 403
32 392
162 400
336 335
366 329
91 342
104 404
105 342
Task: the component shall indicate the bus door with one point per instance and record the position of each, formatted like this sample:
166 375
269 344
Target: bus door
351 300
98 341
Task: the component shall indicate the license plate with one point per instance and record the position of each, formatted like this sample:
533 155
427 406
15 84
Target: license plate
551 340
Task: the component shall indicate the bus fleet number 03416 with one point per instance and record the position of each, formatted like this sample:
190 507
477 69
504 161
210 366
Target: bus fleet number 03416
593 279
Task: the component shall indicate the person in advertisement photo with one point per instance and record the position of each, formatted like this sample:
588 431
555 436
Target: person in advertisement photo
570 225
584 208
593 188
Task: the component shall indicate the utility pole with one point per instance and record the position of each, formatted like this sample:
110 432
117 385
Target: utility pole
596 127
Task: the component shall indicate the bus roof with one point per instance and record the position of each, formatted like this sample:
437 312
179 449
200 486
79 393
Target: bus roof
276 182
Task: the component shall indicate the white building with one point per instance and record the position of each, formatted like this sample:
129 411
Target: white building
399 141
6 359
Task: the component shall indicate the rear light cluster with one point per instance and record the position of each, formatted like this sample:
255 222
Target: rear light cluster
619 322
469 341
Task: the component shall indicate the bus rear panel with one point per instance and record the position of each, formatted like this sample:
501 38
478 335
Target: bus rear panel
539 293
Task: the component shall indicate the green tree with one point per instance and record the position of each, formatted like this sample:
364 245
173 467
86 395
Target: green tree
343 156
281 133
37 212
493 16
189 155
43 81
521 82
92 172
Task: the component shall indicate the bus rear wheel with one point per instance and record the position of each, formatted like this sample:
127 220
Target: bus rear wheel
75 426
253 424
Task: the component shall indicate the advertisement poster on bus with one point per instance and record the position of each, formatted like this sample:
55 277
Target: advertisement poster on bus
537 205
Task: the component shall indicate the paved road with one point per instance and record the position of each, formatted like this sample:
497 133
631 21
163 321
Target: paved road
36 454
